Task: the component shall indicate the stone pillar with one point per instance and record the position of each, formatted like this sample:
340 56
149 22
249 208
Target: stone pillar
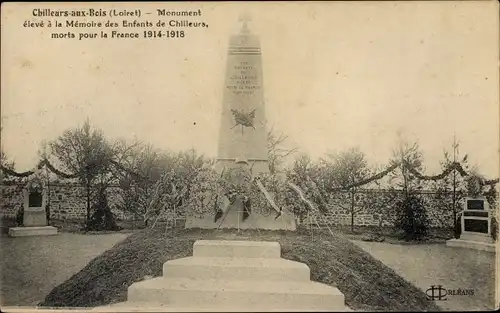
243 142
243 133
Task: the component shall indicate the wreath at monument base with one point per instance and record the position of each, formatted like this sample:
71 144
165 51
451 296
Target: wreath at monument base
210 191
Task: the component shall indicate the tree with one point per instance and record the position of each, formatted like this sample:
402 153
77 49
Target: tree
141 168
4 160
187 165
84 152
411 216
301 169
5 163
277 150
451 189
347 168
155 181
304 173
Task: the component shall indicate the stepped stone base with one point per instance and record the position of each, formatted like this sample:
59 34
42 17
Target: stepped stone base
476 245
232 276
32 231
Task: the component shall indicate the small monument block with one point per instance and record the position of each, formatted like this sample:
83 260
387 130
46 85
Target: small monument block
476 226
34 211
35 198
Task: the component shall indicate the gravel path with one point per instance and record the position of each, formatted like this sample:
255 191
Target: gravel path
32 266
436 264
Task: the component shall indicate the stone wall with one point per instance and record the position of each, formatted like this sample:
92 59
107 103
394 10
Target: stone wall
372 209
68 201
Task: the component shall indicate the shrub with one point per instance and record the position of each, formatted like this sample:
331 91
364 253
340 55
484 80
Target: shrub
20 216
494 228
412 218
102 218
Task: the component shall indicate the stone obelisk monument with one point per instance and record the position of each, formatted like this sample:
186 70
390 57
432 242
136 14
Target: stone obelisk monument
243 136
243 139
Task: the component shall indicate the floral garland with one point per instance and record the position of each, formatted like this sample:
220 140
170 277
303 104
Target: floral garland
205 195
368 180
46 162
455 166
210 189
40 165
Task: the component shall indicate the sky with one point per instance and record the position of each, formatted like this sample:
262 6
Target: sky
336 75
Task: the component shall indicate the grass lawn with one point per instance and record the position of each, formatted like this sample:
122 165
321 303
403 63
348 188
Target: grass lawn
366 282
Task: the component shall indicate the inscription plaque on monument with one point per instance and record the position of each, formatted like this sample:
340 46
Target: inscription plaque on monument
477 226
35 196
476 204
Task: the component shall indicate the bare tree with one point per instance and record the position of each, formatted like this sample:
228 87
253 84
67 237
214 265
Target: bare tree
84 152
277 150
4 160
408 155
155 181
301 169
345 169
410 208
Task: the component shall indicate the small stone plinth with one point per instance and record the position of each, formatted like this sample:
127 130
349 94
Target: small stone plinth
32 231
476 245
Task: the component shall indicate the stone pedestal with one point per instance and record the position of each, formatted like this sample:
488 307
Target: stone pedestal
234 220
224 276
471 244
34 217
32 231
476 226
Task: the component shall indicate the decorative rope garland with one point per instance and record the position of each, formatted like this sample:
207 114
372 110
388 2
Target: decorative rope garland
455 166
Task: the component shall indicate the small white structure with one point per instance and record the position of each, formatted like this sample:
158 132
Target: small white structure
476 226
34 211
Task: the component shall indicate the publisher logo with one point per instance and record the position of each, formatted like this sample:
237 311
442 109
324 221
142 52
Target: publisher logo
439 293
436 293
